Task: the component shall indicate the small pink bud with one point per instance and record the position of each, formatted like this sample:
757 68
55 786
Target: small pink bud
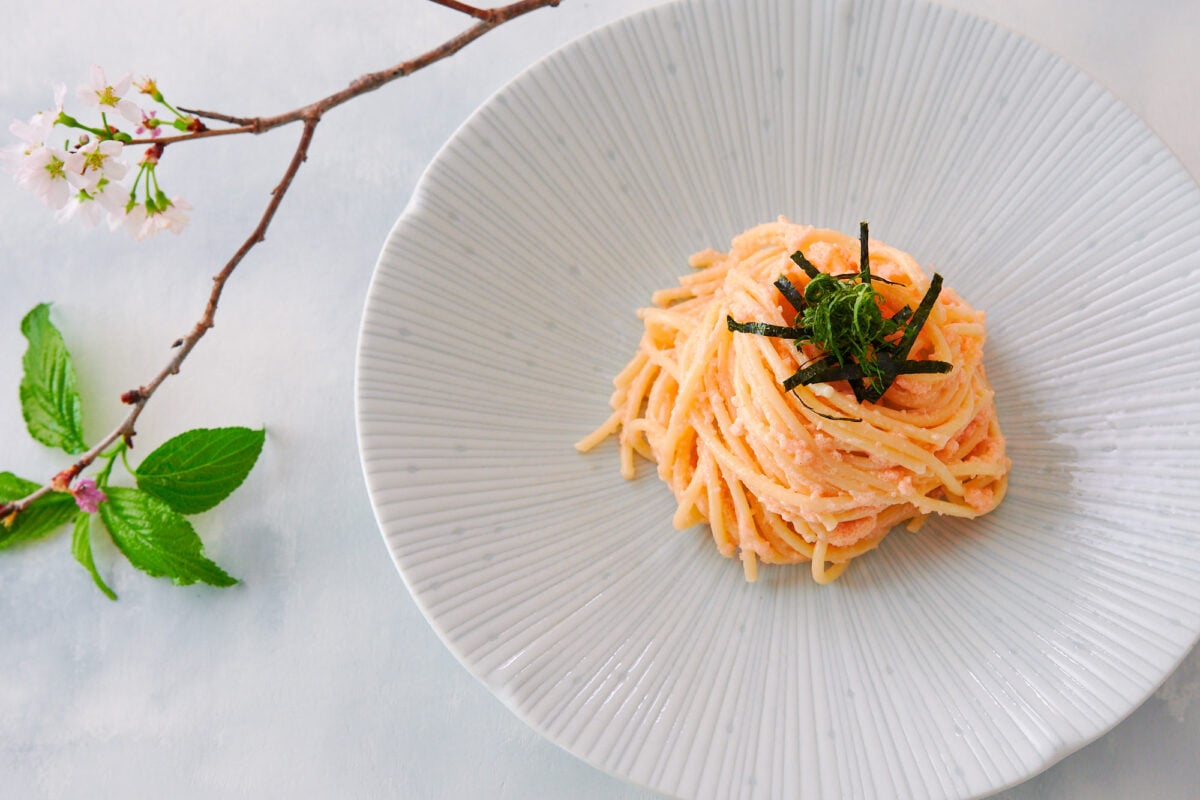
87 496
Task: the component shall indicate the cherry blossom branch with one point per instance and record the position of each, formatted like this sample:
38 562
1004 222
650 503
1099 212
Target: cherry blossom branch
487 15
490 18
219 117
310 115
183 137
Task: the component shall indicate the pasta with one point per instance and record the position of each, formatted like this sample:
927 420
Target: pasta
812 474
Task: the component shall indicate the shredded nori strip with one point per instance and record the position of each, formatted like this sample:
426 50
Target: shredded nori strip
864 257
827 370
805 265
791 293
922 313
766 329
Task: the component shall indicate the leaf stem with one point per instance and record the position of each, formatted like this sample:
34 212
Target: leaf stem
124 451
105 471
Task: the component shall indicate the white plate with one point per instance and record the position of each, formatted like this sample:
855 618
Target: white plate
950 663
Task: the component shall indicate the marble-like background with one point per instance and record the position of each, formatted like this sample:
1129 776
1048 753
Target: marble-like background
318 676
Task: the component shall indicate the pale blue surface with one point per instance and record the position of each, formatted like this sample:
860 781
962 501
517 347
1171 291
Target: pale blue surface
318 676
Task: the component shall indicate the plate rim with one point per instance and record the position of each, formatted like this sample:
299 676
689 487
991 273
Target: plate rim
416 203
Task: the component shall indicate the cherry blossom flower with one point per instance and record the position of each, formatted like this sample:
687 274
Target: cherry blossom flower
87 496
147 219
150 125
99 92
49 172
91 205
35 132
101 157
147 85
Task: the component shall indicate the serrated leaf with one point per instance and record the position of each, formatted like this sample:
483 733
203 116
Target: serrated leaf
199 468
49 400
157 540
81 548
14 488
43 516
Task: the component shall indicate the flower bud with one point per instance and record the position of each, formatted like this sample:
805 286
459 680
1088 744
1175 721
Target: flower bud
147 86
62 481
152 154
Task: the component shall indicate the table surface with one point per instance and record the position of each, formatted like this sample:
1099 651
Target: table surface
317 676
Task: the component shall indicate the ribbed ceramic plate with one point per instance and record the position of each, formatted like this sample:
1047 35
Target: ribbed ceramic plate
949 663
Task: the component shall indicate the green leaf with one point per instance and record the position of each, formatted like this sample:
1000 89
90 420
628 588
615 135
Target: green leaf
157 540
49 399
14 488
198 469
45 515
81 547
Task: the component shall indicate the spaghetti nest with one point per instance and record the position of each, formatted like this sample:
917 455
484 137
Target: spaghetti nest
810 474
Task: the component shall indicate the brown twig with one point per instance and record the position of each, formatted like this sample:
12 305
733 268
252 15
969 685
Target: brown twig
372 80
310 115
182 137
217 116
484 14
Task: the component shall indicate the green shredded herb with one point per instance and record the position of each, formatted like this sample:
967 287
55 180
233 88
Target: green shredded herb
842 315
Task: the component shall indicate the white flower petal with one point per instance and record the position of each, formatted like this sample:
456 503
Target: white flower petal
60 94
56 193
83 180
87 95
66 212
112 199
39 127
86 211
129 110
75 168
117 219
122 84
92 212
14 156
115 170
25 131
98 79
